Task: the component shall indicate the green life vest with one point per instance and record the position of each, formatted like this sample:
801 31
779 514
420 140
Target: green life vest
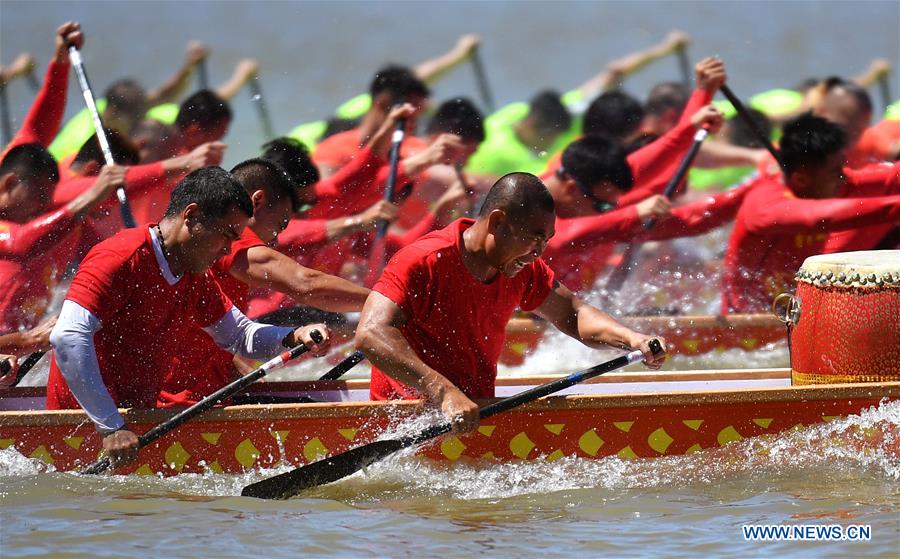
502 152
165 113
75 133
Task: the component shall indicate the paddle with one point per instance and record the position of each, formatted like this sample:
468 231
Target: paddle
481 80
884 85
202 74
261 108
348 363
684 64
618 276
745 114
208 402
87 93
337 467
25 366
5 118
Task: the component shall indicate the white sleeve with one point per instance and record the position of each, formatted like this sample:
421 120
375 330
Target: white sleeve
73 345
239 335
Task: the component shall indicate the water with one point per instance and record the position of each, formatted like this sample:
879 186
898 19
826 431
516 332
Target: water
316 55
845 472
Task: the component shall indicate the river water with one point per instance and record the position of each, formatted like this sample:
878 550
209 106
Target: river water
316 55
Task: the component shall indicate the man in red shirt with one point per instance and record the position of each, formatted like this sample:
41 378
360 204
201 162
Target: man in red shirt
202 368
391 86
785 220
435 322
112 343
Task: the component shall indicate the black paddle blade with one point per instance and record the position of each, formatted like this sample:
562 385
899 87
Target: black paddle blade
288 484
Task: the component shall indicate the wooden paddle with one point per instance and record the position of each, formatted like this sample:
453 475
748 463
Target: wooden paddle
208 402
618 276
288 484
481 79
87 93
261 108
745 114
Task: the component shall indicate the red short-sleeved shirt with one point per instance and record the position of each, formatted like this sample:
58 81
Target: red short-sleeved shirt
455 323
200 366
120 282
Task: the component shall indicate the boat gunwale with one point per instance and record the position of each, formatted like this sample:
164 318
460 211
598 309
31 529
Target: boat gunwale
575 402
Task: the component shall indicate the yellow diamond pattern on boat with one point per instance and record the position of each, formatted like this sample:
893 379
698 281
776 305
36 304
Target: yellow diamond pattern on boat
280 436
827 418
623 426
691 345
727 435
555 428
215 467
627 454
246 454
6 443
590 443
693 423
518 348
41 453
749 343
695 448
176 456
348 434
211 438
74 442
452 447
555 455
144 470
488 456
659 440
487 430
764 423
521 446
314 450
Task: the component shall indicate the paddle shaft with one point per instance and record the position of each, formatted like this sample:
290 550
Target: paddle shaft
87 93
5 117
481 79
532 394
208 402
261 108
396 143
684 64
884 85
745 114
618 276
203 74
338 371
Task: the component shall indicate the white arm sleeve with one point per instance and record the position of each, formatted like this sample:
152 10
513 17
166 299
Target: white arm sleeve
73 344
239 335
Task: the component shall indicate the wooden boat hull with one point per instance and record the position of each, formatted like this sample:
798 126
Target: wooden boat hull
629 425
690 335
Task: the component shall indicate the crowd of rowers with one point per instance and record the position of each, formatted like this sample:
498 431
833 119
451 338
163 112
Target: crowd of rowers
157 315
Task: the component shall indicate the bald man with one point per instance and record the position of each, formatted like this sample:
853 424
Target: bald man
433 326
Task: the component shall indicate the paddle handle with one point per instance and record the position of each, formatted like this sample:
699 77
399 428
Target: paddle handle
481 79
884 85
208 402
261 107
394 161
533 394
203 74
745 114
682 170
26 366
344 366
87 93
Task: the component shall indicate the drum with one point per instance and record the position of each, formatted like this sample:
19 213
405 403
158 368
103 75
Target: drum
845 318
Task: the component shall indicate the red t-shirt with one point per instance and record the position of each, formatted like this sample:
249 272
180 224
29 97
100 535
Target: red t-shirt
454 323
774 232
33 258
340 149
882 179
881 141
200 366
120 282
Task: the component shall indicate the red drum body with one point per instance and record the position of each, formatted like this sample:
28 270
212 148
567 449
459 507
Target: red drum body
846 319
